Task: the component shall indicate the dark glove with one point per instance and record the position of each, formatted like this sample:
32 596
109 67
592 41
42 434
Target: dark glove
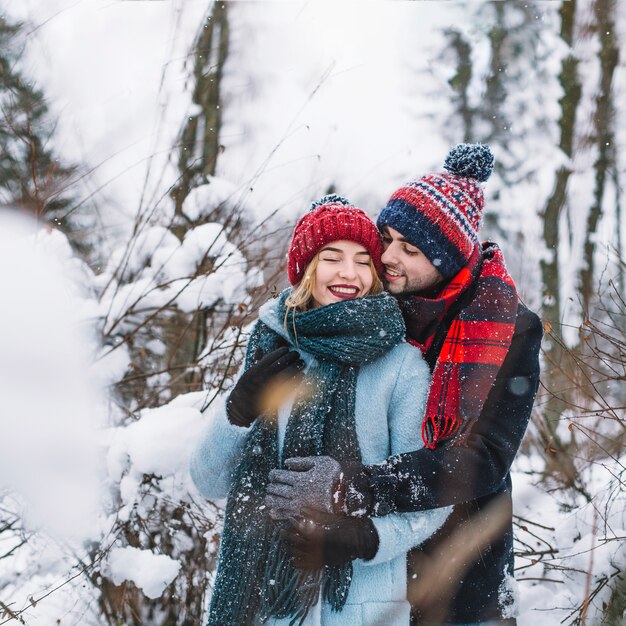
320 539
244 404
308 482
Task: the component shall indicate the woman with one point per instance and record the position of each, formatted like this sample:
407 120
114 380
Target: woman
360 396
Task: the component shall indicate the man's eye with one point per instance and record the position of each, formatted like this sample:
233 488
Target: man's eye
386 239
411 252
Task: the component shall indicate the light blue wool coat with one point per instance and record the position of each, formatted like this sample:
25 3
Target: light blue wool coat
390 401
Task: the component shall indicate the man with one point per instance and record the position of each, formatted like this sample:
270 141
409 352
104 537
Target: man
482 345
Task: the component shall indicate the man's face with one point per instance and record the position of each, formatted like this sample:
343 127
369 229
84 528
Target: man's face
407 270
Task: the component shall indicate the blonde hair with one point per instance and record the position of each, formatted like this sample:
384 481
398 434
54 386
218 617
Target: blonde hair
301 296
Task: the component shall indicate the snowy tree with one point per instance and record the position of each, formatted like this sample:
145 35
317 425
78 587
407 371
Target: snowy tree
538 83
175 302
183 268
33 176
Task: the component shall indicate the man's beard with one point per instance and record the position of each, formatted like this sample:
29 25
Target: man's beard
412 287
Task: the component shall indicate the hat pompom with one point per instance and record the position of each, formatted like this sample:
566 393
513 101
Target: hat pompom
327 199
470 160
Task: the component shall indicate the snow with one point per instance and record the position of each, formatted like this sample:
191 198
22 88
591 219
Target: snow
206 240
151 572
50 406
587 539
159 442
61 467
217 192
129 262
508 596
110 364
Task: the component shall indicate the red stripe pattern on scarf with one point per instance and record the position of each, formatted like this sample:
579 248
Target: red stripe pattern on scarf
475 345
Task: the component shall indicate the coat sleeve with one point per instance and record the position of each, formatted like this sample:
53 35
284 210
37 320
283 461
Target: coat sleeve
425 479
399 532
216 454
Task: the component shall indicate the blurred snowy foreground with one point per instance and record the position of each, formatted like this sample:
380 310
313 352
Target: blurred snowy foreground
61 461
51 406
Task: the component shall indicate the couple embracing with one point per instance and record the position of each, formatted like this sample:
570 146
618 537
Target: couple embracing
381 403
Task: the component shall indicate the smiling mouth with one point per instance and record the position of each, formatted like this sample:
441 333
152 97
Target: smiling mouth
392 274
344 291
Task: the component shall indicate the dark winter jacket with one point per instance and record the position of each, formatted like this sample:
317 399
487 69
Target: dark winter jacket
473 477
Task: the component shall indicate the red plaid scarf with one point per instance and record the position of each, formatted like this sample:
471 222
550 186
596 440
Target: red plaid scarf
475 345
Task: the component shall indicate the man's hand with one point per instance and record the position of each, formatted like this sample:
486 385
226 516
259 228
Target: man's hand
320 539
245 402
308 482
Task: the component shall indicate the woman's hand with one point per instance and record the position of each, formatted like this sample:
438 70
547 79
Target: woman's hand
245 402
320 539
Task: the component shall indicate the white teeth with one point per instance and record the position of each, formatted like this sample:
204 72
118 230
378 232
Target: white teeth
392 273
344 289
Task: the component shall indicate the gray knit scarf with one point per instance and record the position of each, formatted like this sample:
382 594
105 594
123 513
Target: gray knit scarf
256 576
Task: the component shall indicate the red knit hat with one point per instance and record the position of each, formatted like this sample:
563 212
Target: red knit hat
332 218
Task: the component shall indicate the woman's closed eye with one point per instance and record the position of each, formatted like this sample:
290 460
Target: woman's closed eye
337 260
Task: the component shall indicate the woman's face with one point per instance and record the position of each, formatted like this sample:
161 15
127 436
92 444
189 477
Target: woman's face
343 272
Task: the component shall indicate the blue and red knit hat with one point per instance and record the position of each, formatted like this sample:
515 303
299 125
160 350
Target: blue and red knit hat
332 218
441 213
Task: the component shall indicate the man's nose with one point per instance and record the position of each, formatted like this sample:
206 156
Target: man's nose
389 256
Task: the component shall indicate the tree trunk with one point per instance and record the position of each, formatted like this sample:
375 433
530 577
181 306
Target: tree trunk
461 80
604 11
555 378
199 145
199 150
